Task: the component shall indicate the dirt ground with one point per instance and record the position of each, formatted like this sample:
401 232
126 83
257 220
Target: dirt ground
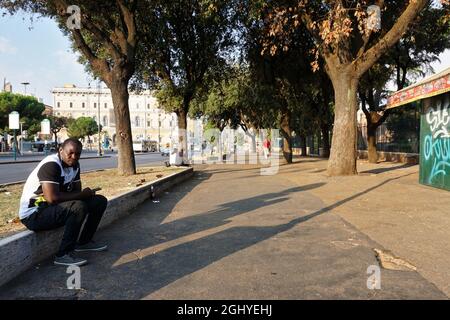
386 202
111 183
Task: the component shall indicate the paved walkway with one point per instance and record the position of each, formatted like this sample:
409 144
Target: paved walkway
230 233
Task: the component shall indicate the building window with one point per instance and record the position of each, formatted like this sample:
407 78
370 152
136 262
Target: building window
82 105
57 113
105 121
137 121
148 106
137 105
95 105
58 104
70 104
148 124
106 105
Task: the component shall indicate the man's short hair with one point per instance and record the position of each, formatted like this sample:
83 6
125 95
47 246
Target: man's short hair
72 141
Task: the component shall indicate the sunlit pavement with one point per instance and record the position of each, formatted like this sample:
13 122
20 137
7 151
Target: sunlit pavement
229 233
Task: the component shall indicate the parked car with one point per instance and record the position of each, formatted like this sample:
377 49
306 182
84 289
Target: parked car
40 146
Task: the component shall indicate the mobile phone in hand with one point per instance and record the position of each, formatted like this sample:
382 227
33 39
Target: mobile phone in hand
96 189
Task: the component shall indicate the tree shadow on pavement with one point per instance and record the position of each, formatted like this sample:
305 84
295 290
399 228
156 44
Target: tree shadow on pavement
145 274
147 254
153 254
382 170
168 251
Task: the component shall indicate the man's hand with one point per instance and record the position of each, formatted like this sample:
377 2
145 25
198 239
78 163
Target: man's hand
87 193
52 194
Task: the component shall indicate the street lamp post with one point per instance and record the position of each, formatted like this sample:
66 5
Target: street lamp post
25 85
21 138
159 132
145 116
14 124
98 112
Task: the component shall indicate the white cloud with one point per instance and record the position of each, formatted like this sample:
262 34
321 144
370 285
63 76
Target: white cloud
71 71
6 46
68 59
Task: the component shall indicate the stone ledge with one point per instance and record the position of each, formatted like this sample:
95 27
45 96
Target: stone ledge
401 157
21 251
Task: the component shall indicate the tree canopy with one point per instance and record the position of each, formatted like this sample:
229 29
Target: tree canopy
29 108
82 127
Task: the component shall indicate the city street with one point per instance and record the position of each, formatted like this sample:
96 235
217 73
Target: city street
20 171
269 150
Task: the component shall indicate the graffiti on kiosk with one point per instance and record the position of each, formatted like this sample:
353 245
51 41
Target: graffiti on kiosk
438 121
437 143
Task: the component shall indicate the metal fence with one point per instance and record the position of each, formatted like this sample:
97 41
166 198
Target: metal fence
313 143
399 133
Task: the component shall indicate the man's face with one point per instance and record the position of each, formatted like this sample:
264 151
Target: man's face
70 154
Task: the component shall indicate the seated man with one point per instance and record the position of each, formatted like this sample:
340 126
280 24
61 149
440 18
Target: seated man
52 198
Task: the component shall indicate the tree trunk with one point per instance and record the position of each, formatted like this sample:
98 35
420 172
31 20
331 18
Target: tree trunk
119 91
342 159
302 138
252 136
182 135
372 144
326 140
219 145
287 133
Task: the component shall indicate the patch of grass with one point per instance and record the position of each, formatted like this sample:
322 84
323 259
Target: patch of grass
111 183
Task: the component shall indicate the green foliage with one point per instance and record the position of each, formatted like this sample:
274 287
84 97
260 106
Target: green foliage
412 56
82 127
236 100
169 98
182 42
57 123
298 94
29 109
427 37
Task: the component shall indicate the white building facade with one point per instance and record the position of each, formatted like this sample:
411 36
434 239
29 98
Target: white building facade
147 120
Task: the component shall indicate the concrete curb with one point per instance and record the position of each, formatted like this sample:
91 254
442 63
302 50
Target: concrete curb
32 161
21 251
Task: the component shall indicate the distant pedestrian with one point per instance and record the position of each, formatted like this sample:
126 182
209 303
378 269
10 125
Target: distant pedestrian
266 148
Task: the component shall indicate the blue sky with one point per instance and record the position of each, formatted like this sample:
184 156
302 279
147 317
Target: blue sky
43 57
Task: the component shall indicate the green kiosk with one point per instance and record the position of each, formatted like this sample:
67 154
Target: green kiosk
433 93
